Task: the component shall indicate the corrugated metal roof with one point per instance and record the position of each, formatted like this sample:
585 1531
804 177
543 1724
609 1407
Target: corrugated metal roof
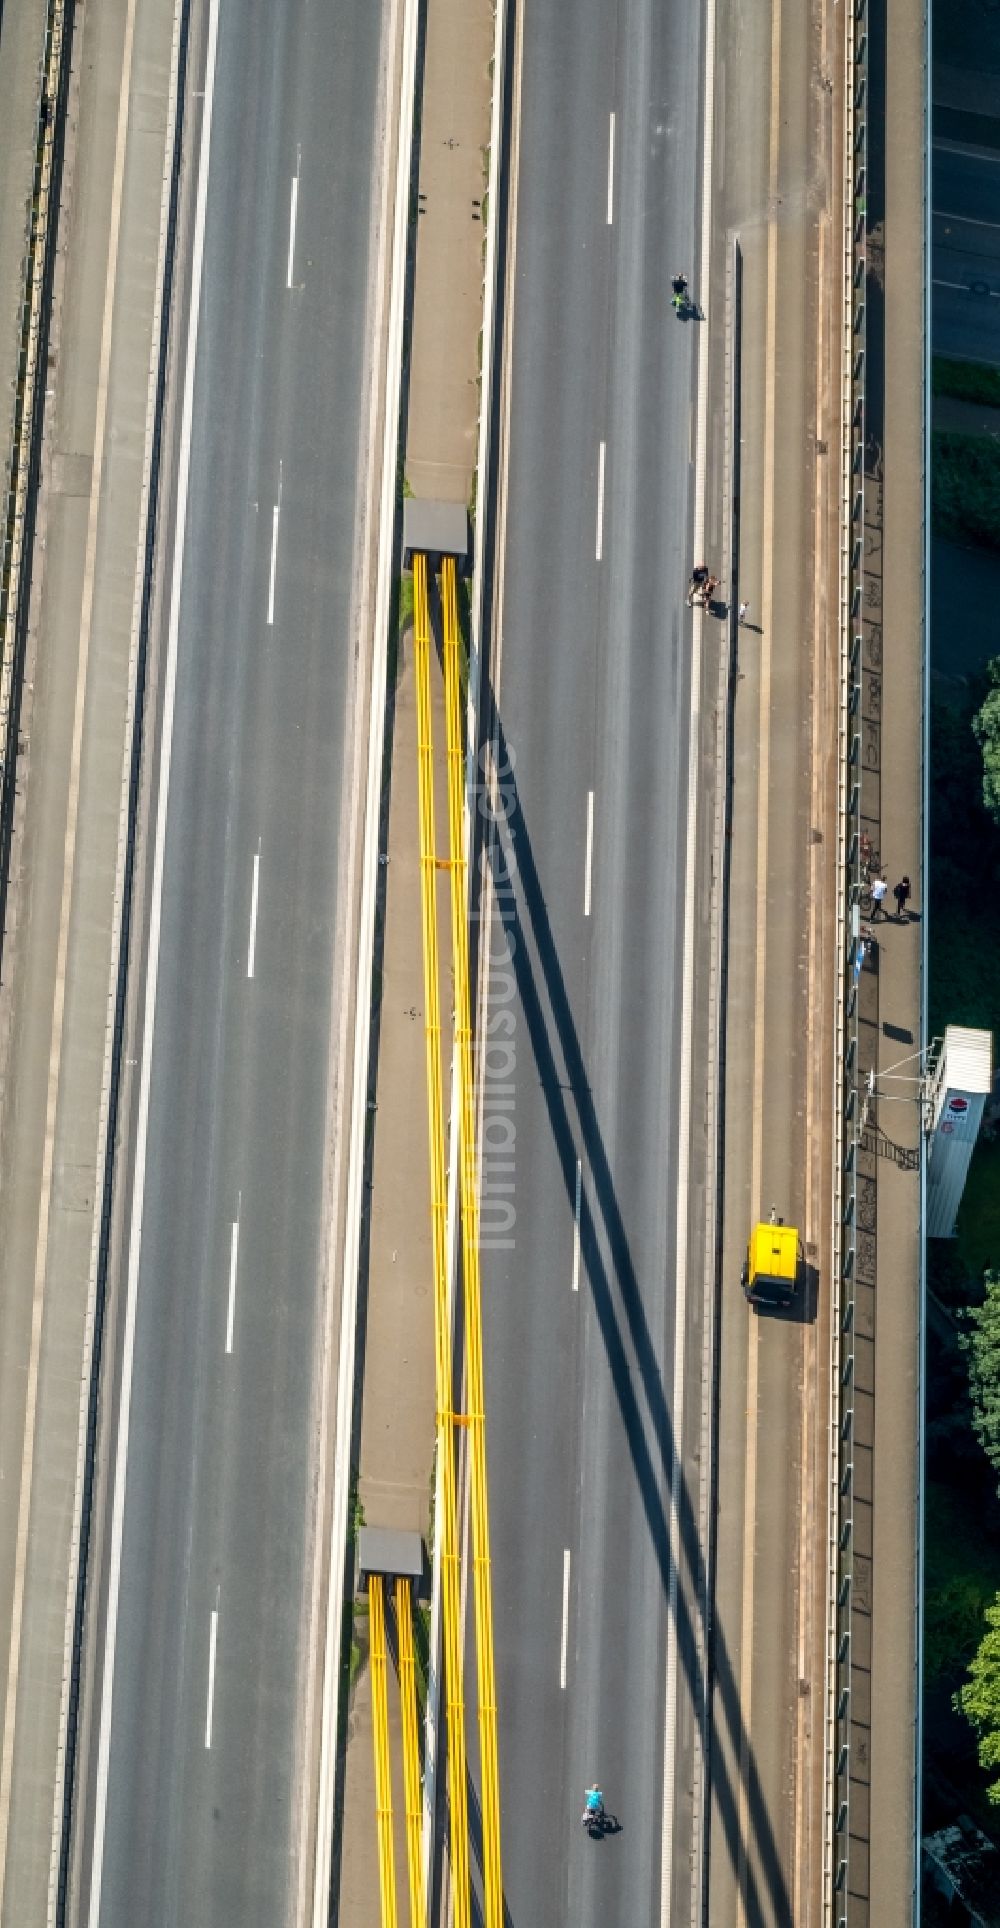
968 1058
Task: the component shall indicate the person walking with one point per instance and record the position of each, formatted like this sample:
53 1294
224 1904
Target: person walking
902 894
744 613
879 889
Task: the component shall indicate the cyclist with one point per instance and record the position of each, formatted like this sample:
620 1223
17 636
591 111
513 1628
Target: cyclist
595 1804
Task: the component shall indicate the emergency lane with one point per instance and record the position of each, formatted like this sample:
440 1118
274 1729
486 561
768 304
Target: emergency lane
195 1788
582 1084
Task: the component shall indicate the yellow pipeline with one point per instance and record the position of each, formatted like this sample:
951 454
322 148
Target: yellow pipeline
450 1602
482 1591
380 1730
411 1753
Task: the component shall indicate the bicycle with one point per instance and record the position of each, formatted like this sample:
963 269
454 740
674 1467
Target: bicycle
597 1822
870 861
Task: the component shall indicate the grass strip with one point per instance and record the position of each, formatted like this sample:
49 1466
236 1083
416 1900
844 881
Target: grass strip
966 381
965 487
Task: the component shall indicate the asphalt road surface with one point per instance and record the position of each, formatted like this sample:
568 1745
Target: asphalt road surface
593 705
966 252
200 1822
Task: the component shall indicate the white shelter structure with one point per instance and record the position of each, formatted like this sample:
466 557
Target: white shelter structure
959 1088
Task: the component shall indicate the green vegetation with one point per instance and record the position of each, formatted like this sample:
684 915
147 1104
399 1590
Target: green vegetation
359 1640
421 1653
961 1681
979 1699
981 1341
966 381
962 1512
979 1217
986 730
431 1499
464 598
404 615
962 1577
964 862
965 487
353 1640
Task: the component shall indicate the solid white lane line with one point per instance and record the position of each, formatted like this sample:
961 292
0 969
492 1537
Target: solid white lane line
291 229
611 171
275 513
233 1257
600 502
967 220
565 1622
152 972
576 1227
213 1637
962 287
686 1079
954 147
254 890
589 859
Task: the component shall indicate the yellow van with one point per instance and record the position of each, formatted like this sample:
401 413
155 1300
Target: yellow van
771 1267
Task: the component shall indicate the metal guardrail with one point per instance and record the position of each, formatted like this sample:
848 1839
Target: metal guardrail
19 507
852 951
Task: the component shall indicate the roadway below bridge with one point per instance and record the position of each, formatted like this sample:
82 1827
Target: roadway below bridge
965 259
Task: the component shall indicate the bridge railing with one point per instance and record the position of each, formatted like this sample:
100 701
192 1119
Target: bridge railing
852 950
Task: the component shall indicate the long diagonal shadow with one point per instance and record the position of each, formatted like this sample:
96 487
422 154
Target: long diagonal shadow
622 1320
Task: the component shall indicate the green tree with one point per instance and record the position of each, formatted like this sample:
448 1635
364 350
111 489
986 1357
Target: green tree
979 1699
965 488
986 730
981 1340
